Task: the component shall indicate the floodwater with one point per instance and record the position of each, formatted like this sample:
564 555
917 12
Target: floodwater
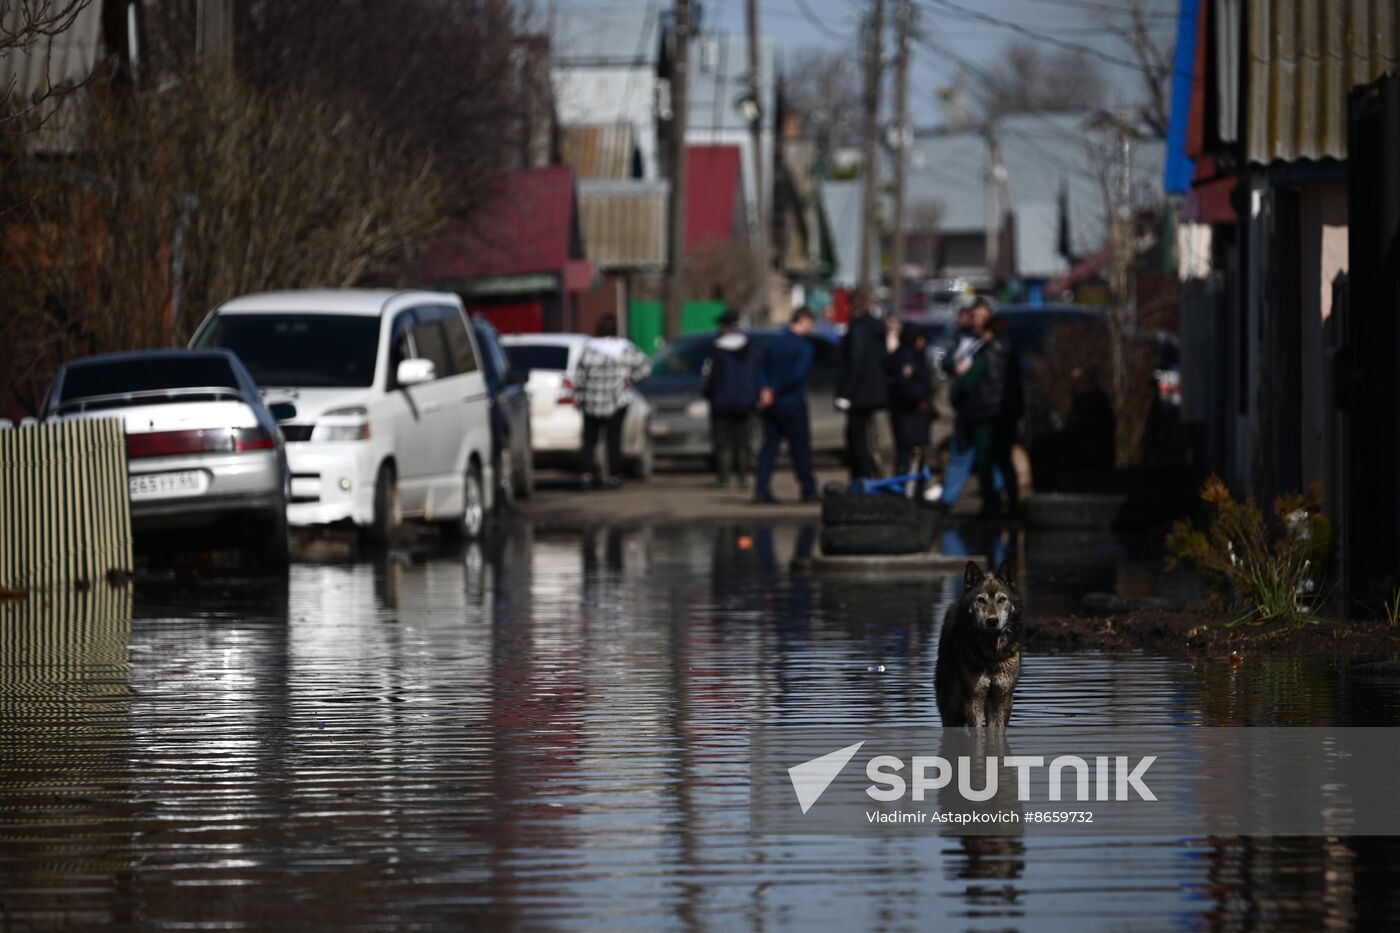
552 732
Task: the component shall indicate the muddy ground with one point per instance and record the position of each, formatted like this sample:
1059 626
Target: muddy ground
1205 630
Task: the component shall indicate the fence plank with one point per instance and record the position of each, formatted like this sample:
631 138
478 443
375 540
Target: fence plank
65 510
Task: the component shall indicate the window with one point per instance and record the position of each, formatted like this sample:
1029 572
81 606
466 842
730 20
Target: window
431 344
118 377
310 350
459 342
400 346
527 356
683 357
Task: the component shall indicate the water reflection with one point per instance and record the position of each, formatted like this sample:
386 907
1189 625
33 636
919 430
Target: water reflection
550 729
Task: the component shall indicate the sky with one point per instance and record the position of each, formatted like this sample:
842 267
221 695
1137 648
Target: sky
952 24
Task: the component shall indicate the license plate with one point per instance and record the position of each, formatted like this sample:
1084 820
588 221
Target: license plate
164 485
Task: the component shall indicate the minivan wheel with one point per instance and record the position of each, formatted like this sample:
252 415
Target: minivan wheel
526 489
388 509
473 505
505 479
269 546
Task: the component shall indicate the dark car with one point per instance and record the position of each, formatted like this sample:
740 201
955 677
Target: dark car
680 424
204 452
510 416
1032 329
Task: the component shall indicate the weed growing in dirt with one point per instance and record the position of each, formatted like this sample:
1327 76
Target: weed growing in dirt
1273 567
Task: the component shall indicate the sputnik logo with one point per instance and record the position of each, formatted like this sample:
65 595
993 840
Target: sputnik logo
811 778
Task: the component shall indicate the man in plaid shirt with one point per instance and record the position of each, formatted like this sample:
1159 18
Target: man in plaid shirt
606 368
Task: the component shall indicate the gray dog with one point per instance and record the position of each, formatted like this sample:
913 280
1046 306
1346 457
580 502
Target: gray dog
979 653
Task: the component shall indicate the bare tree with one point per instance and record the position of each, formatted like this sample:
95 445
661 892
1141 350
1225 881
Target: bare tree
28 29
1133 24
1030 79
822 88
450 78
181 199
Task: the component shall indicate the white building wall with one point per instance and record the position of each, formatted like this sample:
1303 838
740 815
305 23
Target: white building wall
611 94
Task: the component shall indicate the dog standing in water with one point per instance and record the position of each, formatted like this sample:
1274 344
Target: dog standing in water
979 653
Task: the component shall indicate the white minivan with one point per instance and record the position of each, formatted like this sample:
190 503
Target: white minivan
391 415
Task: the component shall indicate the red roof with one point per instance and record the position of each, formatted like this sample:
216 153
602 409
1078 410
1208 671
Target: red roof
528 224
713 199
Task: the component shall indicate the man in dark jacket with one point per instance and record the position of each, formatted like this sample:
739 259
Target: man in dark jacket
862 390
911 410
730 382
783 402
992 403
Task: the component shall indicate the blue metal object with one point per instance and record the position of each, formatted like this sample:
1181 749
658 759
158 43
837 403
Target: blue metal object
890 486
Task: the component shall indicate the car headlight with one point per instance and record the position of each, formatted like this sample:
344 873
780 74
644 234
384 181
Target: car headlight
343 430
698 409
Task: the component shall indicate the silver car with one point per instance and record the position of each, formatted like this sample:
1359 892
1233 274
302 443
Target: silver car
202 448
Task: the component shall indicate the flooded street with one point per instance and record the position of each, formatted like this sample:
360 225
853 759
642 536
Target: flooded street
552 731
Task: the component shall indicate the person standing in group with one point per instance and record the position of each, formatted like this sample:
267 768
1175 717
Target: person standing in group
962 455
991 387
607 368
783 402
911 408
729 381
863 388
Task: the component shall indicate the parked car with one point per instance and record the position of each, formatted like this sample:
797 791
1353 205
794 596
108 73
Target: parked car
513 459
556 424
1030 328
681 416
203 451
388 414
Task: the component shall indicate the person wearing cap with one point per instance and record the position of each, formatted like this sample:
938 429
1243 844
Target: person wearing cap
729 381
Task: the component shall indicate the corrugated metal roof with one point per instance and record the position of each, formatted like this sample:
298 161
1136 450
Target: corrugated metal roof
600 150
624 223
1304 56
66 59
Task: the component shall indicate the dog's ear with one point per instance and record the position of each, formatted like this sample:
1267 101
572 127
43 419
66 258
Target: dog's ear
972 574
1006 573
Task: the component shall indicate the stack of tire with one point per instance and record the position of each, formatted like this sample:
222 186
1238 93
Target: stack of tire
856 524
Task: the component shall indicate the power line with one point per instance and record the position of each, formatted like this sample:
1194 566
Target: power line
1036 36
818 23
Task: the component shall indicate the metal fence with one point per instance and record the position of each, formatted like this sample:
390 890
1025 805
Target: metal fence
65 510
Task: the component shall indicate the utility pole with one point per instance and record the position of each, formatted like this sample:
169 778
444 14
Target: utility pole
671 324
993 178
904 17
874 42
756 117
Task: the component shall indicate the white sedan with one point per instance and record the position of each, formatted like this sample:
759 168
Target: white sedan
556 424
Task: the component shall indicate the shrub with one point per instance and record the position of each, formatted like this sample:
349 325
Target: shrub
1275 567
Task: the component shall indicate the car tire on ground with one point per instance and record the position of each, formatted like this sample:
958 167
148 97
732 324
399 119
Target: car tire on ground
857 509
525 486
473 520
388 511
505 479
875 539
268 549
644 464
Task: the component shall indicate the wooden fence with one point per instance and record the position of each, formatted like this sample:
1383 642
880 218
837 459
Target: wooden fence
65 509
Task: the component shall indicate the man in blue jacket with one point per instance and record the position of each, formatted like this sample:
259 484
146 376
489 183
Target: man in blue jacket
783 402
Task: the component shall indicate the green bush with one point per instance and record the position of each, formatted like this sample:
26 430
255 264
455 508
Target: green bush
1275 567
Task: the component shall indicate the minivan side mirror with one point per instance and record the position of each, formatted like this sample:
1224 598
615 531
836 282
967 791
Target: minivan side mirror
413 372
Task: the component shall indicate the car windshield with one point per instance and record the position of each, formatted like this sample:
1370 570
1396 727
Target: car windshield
683 357
528 356
146 374
1029 329
310 350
